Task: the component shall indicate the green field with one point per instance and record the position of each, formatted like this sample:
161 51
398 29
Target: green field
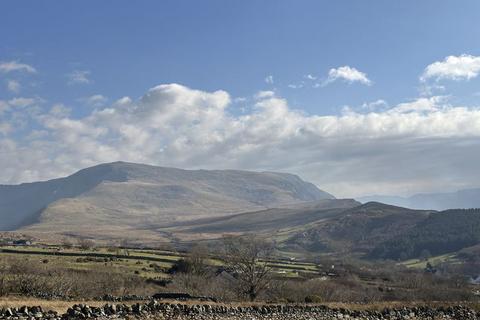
422 263
145 263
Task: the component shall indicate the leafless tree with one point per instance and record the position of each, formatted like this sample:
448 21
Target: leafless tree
197 260
67 243
86 244
247 257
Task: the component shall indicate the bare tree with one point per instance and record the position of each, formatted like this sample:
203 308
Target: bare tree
86 244
67 243
247 257
197 259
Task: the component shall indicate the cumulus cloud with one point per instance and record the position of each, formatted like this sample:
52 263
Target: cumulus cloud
425 144
11 66
269 79
79 77
347 74
463 67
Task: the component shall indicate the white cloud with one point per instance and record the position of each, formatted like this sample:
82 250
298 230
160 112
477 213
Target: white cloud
375 105
348 74
13 86
296 86
4 106
269 79
97 100
79 77
59 110
426 143
5 128
11 66
264 94
463 67
21 102
310 77
422 105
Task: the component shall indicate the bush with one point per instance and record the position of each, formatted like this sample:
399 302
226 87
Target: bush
313 299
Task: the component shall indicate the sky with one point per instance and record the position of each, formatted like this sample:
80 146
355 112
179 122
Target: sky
360 98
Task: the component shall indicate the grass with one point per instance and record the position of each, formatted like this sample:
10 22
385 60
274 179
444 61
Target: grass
120 266
137 261
422 263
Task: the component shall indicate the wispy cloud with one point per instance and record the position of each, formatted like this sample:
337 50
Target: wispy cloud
79 77
269 79
22 102
347 74
296 86
375 105
13 86
97 100
11 66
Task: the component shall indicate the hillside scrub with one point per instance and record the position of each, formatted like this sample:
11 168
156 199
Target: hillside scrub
440 233
22 277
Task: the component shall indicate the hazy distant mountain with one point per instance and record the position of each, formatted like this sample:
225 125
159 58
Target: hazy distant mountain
123 197
463 199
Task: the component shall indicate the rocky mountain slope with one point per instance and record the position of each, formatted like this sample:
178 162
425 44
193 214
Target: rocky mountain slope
126 196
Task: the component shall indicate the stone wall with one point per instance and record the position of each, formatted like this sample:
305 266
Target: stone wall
157 310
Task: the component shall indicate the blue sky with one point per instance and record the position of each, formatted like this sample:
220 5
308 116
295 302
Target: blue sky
234 45
86 55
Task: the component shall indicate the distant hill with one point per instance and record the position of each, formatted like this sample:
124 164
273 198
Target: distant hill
356 230
379 231
346 228
441 232
463 199
126 197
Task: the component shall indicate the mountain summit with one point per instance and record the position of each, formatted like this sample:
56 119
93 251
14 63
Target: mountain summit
118 196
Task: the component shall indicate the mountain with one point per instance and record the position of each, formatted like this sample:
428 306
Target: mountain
462 199
122 198
149 205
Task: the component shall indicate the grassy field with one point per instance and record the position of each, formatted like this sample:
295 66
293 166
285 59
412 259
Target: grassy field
422 263
145 263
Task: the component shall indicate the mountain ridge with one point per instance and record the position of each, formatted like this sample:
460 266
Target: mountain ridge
121 190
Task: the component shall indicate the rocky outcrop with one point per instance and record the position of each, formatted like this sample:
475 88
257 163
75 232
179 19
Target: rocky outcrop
156 310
